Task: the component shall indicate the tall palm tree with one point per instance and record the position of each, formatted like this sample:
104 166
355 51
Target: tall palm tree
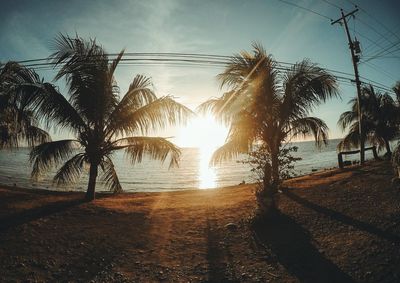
265 106
18 124
101 121
380 120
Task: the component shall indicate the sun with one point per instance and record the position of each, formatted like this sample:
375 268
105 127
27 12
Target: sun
202 132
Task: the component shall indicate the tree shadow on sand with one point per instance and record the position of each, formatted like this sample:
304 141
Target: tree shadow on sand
29 215
293 248
343 218
217 257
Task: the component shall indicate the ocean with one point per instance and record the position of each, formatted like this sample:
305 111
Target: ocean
150 176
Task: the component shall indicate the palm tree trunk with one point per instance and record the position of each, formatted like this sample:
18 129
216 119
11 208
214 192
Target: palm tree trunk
275 167
388 150
91 190
271 188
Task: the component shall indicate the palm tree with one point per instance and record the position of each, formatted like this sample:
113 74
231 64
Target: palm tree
99 118
18 123
396 90
267 107
379 120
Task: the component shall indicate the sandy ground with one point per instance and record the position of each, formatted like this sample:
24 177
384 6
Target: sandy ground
333 226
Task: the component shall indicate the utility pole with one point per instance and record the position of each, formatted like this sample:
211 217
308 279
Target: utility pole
355 50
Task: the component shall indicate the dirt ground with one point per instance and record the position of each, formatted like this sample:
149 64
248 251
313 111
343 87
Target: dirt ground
333 226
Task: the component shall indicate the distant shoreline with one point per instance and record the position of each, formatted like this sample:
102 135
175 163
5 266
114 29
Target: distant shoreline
187 190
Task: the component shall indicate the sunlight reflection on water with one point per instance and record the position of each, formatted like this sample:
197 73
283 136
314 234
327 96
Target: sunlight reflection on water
207 175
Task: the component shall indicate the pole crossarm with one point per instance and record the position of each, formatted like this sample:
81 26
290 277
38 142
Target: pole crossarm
344 16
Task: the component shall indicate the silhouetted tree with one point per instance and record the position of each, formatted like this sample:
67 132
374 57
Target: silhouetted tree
100 119
266 107
380 120
18 123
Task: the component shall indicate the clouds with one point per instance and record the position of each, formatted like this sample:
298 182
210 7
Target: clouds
27 29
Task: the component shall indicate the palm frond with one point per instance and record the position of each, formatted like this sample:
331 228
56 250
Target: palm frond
77 56
347 118
115 62
245 129
224 108
49 154
19 123
252 79
310 126
8 138
35 136
155 147
351 140
305 86
230 150
139 94
52 107
110 176
156 115
71 170
85 67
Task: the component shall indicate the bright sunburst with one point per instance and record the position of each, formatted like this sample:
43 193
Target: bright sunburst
204 133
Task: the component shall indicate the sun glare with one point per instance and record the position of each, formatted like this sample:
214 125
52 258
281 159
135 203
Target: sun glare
206 174
205 134
202 132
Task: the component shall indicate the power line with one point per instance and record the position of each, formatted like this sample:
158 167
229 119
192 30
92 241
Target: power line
386 50
187 60
374 43
391 43
370 46
332 4
373 28
382 57
378 21
306 9
379 70
204 58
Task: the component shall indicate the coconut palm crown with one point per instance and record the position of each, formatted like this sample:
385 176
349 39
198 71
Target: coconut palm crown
18 124
267 106
101 121
380 120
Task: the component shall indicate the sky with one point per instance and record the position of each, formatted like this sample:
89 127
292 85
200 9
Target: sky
290 34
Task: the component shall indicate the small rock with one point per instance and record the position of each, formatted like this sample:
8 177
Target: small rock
231 226
21 264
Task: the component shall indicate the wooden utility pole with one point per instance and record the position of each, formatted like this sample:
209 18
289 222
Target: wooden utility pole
355 60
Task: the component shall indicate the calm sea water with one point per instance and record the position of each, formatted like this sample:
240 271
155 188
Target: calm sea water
150 175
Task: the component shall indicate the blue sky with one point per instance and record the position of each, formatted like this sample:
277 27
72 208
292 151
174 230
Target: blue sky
223 27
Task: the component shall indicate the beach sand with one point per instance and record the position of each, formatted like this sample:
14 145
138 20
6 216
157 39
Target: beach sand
333 226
